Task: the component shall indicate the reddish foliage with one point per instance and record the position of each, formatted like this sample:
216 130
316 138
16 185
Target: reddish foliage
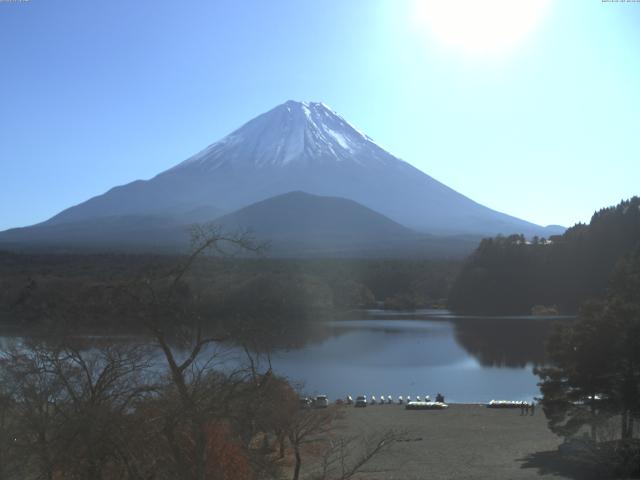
226 460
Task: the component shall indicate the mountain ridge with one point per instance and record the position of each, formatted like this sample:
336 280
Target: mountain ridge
294 224
299 146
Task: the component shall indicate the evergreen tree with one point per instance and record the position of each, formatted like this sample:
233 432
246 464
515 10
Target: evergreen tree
594 379
507 275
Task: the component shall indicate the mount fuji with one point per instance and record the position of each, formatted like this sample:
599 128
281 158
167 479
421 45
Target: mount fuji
296 146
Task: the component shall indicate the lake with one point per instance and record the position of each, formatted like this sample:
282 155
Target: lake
468 359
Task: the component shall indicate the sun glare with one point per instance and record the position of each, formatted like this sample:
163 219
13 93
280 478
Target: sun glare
481 26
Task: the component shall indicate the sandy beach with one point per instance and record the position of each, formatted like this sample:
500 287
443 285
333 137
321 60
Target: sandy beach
463 442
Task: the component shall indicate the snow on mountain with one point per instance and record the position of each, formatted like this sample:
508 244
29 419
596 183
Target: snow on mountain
300 146
291 132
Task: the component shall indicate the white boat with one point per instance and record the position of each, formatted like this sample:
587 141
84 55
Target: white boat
426 406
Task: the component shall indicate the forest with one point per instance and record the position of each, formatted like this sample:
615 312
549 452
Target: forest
590 388
513 275
276 292
505 275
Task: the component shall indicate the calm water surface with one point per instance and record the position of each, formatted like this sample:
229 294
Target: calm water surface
468 359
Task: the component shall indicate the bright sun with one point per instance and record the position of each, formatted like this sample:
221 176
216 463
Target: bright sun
481 26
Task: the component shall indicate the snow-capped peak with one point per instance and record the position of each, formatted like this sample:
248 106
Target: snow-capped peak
309 132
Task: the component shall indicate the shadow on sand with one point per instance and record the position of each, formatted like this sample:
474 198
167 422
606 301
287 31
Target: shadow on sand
553 462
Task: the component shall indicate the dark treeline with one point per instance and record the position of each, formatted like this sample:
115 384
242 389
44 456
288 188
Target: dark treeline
508 275
275 290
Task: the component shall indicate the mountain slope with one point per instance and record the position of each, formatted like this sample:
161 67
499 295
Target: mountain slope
133 232
299 224
300 146
301 215
294 224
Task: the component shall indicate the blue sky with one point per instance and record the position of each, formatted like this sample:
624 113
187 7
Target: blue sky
96 94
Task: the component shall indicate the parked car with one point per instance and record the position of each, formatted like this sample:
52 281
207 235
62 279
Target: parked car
321 401
361 401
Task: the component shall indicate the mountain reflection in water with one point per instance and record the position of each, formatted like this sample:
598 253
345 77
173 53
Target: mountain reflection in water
471 359
494 341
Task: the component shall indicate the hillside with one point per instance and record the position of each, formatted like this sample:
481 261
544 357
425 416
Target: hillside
295 224
300 224
510 275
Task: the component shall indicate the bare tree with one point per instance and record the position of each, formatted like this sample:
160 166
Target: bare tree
7 409
173 310
106 412
332 456
345 457
309 427
71 408
34 394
